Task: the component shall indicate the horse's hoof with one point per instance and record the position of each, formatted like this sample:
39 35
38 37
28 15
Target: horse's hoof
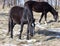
12 37
31 35
45 23
27 38
39 21
19 37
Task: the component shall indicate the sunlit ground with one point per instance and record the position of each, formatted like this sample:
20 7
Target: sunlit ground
42 37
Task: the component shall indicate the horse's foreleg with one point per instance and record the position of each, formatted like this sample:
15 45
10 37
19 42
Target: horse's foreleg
28 32
45 18
21 30
41 17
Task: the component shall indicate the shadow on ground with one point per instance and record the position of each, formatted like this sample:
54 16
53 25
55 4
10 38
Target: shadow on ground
48 33
3 13
50 21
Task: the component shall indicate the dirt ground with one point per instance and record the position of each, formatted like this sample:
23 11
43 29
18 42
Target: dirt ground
42 37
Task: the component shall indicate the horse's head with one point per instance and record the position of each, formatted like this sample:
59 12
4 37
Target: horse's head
56 16
30 18
32 27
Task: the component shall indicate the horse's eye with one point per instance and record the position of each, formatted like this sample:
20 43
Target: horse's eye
33 25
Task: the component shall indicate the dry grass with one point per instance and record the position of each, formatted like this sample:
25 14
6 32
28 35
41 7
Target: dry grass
41 38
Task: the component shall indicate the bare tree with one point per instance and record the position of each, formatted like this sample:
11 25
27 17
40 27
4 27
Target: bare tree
30 0
58 3
18 2
8 3
15 2
11 3
51 3
55 4
47 0
3 4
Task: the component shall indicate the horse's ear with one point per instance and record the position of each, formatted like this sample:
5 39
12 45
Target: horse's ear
56 11
34 20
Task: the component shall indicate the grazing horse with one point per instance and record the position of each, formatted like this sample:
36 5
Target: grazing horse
43 7
20 15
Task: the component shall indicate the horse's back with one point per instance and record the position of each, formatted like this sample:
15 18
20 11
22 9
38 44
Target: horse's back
16 13
32 3
38 6
16 10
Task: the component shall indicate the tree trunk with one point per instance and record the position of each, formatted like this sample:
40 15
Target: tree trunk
15 2
30 0
8 3
51 3
3 4
56 4
11 2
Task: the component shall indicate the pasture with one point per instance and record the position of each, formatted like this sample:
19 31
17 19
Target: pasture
42 36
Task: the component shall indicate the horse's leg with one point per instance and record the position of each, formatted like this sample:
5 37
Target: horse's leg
21 30
28 32
41 17
11 25
45 18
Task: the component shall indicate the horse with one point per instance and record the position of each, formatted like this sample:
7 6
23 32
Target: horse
21 16
43 7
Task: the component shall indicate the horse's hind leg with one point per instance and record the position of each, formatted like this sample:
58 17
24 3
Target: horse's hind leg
28 32
45 18
11 25
41 17
21 30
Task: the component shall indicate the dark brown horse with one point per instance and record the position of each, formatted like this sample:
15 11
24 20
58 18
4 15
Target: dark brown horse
43 7
20 15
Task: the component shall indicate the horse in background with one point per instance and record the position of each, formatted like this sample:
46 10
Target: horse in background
43 7
20 15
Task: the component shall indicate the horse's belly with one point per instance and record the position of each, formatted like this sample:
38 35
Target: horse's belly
17 21
37 9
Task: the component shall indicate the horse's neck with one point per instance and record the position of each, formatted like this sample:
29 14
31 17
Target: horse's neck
52 11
